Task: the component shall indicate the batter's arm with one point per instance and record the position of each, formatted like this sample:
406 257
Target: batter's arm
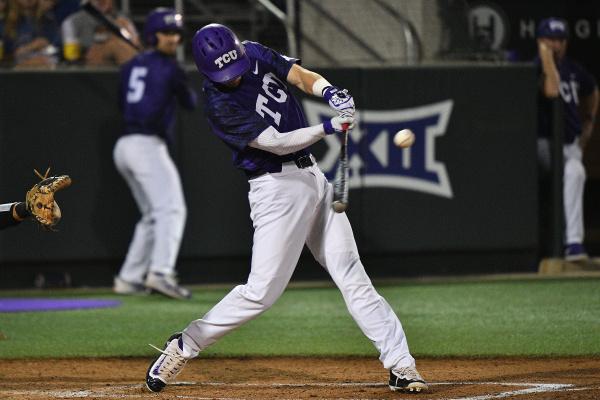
282 143
312 83
550 79
305 79
588 106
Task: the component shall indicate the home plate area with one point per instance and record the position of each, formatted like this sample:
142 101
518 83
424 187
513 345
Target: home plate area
302 378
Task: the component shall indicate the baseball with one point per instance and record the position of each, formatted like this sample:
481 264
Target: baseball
404 138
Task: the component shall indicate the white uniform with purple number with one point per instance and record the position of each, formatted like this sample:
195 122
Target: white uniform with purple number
290 202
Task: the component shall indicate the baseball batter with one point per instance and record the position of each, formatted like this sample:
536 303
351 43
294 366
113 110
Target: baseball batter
251 108
151 85
564 78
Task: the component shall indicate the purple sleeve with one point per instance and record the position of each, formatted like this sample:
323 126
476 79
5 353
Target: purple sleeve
280 63
185 94
235 125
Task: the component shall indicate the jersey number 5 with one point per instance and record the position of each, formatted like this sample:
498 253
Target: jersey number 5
273 88
136 84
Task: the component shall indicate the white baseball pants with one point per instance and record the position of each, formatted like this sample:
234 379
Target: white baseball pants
289 209
573 183
148 169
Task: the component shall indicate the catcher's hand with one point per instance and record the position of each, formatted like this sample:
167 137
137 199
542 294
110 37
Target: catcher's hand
40 199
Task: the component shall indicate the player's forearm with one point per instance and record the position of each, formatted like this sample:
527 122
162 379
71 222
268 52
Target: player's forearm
303 78
282 143
551 78
588 108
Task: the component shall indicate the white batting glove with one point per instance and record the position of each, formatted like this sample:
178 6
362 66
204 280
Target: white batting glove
339 99
338 124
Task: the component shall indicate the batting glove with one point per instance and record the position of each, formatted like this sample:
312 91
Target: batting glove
339 99
338 124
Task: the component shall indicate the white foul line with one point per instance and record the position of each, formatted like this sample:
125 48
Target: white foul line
109 392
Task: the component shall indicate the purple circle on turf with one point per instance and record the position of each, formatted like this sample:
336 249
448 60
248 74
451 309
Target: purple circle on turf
41 304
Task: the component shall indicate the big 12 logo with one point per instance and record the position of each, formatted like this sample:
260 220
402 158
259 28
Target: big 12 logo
373 159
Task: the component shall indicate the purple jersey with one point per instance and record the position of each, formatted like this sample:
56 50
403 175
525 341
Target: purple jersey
238 115
575 83
151 84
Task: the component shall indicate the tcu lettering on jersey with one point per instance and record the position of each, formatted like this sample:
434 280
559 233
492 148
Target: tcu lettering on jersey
569 90
275 90
374 160
226 58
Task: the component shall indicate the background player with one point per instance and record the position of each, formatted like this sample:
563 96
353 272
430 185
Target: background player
577 89
151 85
250 107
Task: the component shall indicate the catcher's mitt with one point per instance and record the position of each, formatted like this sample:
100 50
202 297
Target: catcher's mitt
40 199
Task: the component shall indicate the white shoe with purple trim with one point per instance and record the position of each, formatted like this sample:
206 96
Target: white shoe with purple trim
168 365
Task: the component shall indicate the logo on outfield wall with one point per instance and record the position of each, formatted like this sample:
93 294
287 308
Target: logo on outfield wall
488 26
374 160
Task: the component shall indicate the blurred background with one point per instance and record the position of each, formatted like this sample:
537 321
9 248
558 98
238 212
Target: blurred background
466 198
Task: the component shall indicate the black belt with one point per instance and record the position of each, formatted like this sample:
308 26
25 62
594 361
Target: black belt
304 161
301 162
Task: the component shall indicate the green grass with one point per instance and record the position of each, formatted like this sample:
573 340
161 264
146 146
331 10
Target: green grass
451 318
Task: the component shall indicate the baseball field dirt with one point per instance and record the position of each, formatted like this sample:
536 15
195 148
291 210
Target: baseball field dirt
302 378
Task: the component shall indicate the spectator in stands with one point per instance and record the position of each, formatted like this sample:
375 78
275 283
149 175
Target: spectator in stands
576 87
32 35
86 41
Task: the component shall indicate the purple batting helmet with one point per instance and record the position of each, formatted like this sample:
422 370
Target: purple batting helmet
219 54
553 28
160 20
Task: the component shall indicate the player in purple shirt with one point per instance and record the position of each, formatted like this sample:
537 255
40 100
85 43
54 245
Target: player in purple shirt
152 84
561 76
250 106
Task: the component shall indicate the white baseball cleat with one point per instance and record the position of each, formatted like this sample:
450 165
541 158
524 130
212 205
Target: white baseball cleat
406 379
167 366
121 286
167 285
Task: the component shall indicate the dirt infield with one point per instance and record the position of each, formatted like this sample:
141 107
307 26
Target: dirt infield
302 378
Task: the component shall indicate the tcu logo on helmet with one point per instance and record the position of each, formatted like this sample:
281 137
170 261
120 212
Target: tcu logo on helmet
560 25
173 19
374 160
226 58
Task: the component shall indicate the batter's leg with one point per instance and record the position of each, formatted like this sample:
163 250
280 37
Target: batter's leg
332 243
281 206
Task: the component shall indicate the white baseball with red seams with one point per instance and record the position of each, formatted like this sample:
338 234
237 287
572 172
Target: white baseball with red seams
404 138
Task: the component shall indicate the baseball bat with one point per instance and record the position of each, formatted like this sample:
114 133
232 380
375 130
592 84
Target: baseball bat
109 23
340 186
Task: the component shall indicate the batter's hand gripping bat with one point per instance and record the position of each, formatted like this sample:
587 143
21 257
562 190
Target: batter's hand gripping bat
109 23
